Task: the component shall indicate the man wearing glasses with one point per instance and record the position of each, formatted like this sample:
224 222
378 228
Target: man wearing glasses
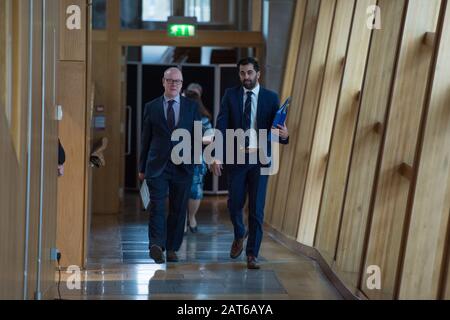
162 117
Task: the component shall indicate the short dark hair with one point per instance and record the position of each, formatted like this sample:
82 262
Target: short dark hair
247 61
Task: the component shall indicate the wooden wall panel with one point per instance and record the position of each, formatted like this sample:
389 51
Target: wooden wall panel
11 235
107 80
11 205
297 38
426 242
446 272
19 76
381 195
325 118
3 54
50 148
14 158
90 91
73 42
307 119
256 15
106 180
35 148
281 180
392 189
74 187
48 201
72 95
374 102
272 212
343 134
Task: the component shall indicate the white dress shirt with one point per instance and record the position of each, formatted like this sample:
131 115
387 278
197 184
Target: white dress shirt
253 123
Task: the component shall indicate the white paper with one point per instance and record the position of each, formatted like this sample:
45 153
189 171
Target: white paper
145 195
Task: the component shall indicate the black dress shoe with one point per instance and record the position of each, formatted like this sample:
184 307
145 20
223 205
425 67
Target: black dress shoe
193 229
157 254
252 263
172 256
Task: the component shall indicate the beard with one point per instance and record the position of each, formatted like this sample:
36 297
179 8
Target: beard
249 84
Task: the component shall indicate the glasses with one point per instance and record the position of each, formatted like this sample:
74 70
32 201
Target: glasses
172 81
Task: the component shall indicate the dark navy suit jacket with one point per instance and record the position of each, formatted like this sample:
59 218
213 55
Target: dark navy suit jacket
157 145
232 111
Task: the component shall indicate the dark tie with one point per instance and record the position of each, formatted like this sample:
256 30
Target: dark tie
248 116
170 115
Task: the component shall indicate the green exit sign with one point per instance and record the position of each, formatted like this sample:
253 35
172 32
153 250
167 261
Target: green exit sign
182 30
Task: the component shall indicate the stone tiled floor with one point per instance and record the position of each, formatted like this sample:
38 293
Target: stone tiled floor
119 266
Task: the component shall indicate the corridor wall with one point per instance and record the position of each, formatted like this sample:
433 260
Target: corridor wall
366 178
26 270
74 96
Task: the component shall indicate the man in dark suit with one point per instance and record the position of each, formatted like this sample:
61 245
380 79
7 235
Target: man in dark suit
247 107
161 118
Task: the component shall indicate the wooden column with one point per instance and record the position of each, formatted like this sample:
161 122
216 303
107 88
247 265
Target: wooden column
107 78
72 96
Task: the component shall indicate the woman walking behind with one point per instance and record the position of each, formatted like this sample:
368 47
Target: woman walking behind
194 91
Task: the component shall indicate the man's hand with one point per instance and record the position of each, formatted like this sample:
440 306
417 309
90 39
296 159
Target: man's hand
216 168
141 176
281 131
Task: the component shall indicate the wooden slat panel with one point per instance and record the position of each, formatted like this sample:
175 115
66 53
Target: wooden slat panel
35 147
288 83
50 192
300 23
18 76
307 119
90 102
11 173
430 212
256 15
72 96
324 123
446 275
377 88
11 233
384 247
346 119
302 62
73 42
3 54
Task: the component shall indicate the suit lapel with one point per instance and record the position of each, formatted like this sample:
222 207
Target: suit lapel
240 111
161 115
260 107
182 118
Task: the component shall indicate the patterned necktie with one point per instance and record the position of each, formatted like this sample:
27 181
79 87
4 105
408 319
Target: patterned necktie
171 115
248 116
